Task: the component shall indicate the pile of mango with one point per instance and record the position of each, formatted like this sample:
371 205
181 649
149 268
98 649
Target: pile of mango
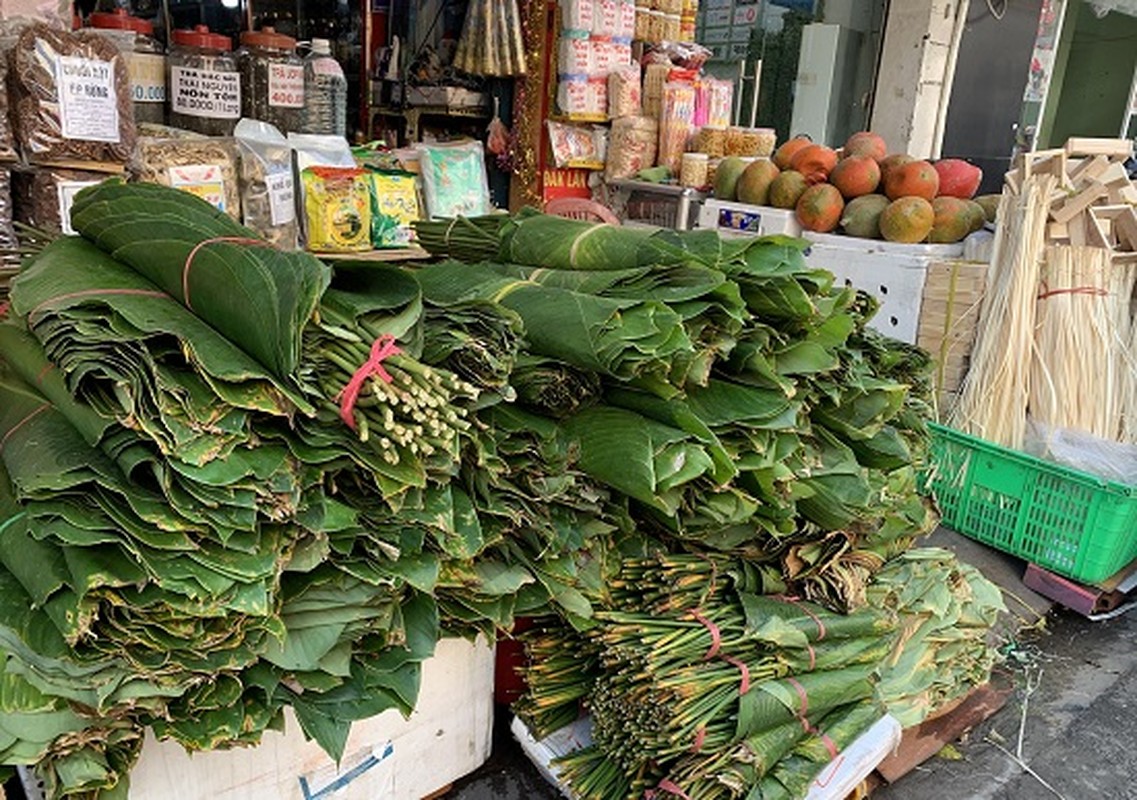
863 191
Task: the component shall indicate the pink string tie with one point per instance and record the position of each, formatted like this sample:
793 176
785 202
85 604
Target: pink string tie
382 348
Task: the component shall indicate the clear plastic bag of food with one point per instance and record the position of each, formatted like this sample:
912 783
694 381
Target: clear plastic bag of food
337 209
201 165
631 147
624 92
577 143
7 142
7 233
42 196
454 179
71 97
268 195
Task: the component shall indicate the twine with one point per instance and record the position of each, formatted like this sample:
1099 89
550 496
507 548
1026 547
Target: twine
39 410
382 348
96 293
716 634
248 240
666 785
1092 291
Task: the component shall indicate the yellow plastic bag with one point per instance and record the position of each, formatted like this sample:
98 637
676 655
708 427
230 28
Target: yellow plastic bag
337 209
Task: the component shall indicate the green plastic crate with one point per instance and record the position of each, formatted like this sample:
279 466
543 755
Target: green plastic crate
1061 519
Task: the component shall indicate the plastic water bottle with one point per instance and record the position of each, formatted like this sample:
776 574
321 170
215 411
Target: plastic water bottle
325 92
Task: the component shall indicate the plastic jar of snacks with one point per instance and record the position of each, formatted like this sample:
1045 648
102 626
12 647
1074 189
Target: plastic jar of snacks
711 140
273 78
687 28
204 86
145 60
712 168
767 141
735 143
643 24
693 169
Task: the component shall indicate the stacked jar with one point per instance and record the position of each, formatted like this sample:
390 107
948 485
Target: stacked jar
204 84
272 75
144 57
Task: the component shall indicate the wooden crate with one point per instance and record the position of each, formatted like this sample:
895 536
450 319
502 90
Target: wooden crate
949 313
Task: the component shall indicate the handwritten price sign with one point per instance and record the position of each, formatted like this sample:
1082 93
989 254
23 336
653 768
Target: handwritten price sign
285 86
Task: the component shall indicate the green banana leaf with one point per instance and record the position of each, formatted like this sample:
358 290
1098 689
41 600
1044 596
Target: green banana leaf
252 294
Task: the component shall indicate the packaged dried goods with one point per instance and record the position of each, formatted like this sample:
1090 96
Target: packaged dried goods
201 165
631 147
711 140
268 195
454 179
577 143
575 54
394 207
624 92
693 170
42 196
675 123
337 209
576 15
71 97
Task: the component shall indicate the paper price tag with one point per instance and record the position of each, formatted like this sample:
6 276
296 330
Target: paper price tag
66 191
205 93
285 86
281 198
88 103
147 77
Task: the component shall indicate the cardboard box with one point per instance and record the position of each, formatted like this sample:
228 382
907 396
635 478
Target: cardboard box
448 736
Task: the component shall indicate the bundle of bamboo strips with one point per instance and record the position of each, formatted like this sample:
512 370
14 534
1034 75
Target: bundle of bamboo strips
1129 373
996 392
1079 375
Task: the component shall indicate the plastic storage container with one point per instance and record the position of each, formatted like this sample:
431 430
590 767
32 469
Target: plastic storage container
145 60
1063 520
204 86
325 92
272 77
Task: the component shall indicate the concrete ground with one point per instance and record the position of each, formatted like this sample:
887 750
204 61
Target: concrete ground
1074 706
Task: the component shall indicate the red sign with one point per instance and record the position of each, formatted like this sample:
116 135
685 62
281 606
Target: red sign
564 183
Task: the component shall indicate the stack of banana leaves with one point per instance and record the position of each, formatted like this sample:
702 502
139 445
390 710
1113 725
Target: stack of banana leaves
699 688
731 396
197 529
233 481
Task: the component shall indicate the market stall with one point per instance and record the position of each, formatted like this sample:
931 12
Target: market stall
292 428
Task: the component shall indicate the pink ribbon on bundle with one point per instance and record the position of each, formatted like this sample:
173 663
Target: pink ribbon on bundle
381 349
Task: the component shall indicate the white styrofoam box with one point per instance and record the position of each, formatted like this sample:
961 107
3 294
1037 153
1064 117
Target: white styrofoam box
930 251
569 739
730 218
857 761
893 273
448 736
835 782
